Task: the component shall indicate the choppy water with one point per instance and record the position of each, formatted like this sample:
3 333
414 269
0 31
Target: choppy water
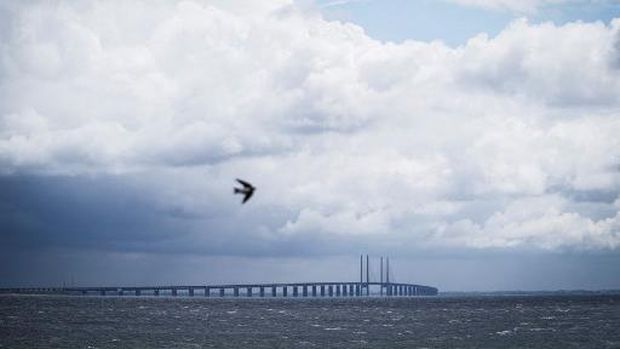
551 321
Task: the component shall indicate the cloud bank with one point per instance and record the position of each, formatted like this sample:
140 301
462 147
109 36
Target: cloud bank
507 142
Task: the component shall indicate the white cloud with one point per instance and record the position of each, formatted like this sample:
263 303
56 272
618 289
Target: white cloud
566 65
540 221
343 134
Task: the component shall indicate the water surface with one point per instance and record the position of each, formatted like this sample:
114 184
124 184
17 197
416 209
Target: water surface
534 321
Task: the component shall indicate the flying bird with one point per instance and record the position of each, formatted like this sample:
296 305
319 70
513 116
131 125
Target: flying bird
247 190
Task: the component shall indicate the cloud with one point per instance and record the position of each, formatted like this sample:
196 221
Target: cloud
348 139
541 221
578 70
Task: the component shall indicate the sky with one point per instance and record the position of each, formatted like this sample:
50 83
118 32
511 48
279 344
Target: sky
474 142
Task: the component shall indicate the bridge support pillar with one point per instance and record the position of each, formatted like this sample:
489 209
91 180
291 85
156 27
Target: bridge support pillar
261 291
156 292
337 290
322 290
358 290
236 291
284 291
295 294
304 290
190 291
102 292
207 291
330 290
222 292
274 291
249 292
174 292
351 290
137 292
313 290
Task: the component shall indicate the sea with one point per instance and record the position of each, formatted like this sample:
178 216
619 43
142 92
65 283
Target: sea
523 320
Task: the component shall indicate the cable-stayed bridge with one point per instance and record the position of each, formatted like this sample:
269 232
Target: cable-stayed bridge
361 288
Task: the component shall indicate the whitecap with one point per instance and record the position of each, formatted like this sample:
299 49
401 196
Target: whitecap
539 329
360 341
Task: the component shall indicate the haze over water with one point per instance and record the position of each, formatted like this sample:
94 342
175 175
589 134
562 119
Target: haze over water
498 321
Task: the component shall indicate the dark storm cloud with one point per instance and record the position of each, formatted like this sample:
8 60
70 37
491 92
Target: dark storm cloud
118 213
76 211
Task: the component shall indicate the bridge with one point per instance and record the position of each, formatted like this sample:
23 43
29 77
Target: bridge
296 289
301 289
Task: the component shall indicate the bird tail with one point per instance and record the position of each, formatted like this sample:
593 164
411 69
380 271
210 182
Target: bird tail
237 190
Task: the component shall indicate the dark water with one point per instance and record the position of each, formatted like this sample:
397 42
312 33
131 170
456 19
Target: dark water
551 321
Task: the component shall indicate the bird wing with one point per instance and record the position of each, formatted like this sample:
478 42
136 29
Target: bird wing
247 196
244 183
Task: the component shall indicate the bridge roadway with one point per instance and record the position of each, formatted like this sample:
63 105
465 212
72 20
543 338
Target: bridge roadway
301 289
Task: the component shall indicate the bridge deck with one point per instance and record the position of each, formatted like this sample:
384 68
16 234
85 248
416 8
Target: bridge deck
308 289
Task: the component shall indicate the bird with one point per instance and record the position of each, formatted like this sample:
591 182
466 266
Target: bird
247 190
